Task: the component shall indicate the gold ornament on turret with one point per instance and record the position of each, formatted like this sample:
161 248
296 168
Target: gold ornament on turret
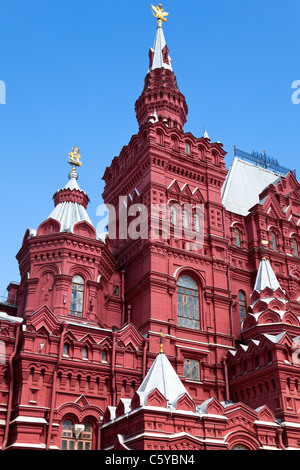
161 345
160 14
74 158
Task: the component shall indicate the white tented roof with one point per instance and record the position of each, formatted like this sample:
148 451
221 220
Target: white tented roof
243 185
266 277
162 376
69 213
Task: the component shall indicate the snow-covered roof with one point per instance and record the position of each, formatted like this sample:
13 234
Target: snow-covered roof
274 338
266 277
243 184
162 376
69 213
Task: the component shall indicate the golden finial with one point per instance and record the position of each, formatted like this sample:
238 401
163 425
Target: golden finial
160 14
162 335
74 158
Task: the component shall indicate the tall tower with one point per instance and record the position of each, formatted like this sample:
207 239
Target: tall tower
171 174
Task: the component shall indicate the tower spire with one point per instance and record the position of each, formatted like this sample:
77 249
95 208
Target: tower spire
161 93
159 54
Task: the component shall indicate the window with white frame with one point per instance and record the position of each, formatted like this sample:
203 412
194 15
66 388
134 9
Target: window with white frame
295 247
187 302
77 296
191 369
76 437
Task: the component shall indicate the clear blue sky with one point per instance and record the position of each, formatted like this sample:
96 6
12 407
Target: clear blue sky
73 70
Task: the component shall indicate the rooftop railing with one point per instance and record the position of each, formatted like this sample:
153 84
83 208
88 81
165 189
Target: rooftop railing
263 160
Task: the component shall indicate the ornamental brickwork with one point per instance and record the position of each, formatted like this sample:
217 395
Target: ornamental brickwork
90 316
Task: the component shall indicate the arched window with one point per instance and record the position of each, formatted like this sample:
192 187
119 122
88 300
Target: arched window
243 305
196 223
187 148
77 296
174 141
295 247
173 215
85 353
76 436
187 302
237 238
104 356
66 349
185 221
273 241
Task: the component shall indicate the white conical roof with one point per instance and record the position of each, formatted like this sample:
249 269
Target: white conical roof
205 135
159 44
162 376
266 277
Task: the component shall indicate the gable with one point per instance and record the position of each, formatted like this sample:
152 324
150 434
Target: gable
43 318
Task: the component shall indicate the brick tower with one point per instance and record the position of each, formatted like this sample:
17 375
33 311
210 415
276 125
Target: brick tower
162 166
171 332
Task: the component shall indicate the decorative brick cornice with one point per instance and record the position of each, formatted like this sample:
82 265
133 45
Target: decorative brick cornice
71 195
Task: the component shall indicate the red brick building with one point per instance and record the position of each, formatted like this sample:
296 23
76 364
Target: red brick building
80 335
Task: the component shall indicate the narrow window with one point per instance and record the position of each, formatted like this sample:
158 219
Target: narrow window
237 238
187 148
67 442
273 241
116 290
174 141
243 305
196 223
66 350
173 215
77 296
295 247
85 442
187 302
191 369
85 353
185 222
104 356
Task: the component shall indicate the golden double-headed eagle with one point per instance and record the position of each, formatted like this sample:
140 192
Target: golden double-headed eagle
159 13
74 157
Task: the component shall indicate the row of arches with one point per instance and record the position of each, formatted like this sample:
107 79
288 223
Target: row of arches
188 219
251 363
255 391
190 149
273 239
